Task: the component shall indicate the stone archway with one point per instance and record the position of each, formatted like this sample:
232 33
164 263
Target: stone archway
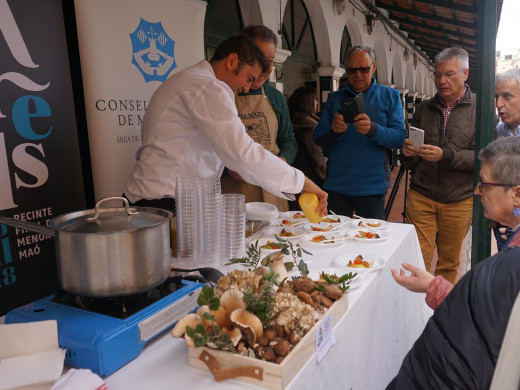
383 62
410 77
397 69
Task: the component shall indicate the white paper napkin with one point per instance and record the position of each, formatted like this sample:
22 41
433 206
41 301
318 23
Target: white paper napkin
30 354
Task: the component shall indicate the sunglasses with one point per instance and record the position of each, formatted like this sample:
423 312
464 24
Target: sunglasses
362 69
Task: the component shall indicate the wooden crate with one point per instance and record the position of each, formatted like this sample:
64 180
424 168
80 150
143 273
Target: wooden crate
275 376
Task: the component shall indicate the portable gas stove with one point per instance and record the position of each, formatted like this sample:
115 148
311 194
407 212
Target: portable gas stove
105 334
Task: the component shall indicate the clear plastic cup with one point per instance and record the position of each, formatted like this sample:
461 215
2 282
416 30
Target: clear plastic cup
233 227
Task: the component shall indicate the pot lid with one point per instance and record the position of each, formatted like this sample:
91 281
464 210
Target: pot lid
111 220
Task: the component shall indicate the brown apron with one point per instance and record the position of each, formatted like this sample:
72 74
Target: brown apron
261 124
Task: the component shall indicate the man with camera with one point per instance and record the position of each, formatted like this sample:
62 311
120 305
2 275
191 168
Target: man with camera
440 199
358 172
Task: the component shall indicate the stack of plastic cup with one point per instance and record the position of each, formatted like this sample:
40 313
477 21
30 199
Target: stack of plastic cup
186 211
209 222
233 227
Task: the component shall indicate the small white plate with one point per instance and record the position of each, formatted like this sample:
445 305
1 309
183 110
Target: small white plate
307 241
382 235
261 211
329 224
263 241
354 283
289 222
378 223
341 261
298 232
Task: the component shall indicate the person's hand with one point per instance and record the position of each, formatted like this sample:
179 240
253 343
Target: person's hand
362 123
505 232
310 186
338 124
408 149
418 280
430 153
235 176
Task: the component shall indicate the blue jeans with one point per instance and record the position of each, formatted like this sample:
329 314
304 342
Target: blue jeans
370 206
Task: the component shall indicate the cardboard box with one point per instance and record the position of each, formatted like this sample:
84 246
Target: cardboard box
274 376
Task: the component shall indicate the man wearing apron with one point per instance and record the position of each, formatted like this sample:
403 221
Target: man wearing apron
265 115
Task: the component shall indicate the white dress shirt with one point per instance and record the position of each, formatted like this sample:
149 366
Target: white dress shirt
504 130
192 128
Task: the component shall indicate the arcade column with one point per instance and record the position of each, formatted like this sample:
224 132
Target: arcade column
328 81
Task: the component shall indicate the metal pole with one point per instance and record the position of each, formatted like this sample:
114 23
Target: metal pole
485 131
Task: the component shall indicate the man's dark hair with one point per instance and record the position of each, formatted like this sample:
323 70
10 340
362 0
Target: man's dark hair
265 34
302 101
246 50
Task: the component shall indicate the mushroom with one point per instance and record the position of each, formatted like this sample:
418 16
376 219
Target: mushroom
235 335
275 262
191 320
231 300
221 316
249 324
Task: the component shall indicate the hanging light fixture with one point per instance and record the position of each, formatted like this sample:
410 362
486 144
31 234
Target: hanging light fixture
406 54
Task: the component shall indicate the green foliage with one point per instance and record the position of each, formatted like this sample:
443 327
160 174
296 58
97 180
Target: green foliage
262 305
341 281
252 258
212 335
207 297
296 252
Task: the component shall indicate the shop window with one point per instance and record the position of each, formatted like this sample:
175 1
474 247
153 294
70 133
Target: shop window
346 44
223 20
297 32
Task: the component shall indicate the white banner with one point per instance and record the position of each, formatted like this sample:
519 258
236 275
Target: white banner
127 49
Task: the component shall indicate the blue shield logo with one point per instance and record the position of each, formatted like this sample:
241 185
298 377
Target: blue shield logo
152 51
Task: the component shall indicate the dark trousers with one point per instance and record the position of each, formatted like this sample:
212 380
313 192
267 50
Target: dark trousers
371 206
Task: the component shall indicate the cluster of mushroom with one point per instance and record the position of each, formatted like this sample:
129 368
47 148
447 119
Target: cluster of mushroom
231 318
296 306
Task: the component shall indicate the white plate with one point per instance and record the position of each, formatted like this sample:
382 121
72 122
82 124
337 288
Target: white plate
307 242
261 211
289 222
264 241
382 224
298 232
343 224
341 261
354 283
381 233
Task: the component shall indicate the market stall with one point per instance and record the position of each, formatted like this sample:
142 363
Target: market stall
381 324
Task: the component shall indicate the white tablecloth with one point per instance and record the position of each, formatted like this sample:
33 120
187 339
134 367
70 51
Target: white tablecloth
381 324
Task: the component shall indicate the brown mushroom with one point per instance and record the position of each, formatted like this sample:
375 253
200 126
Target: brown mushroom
304 297
333 292
303 284
249 324
191 320
282 348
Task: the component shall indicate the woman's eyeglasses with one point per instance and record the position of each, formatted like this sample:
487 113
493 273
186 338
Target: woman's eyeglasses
362 69
482 184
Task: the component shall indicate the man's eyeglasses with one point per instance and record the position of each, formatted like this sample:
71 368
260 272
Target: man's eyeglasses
482 184
448 75
362 69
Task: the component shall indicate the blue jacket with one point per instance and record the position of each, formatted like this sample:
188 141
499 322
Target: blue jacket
356 165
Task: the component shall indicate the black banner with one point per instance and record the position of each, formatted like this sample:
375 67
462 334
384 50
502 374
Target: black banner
40 169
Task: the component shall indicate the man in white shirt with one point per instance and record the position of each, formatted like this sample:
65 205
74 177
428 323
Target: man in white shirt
192 128
507 102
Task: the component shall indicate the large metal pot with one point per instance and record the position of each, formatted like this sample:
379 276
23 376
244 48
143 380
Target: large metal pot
109 252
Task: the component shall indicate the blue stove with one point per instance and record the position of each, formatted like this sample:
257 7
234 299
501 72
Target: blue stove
104 335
